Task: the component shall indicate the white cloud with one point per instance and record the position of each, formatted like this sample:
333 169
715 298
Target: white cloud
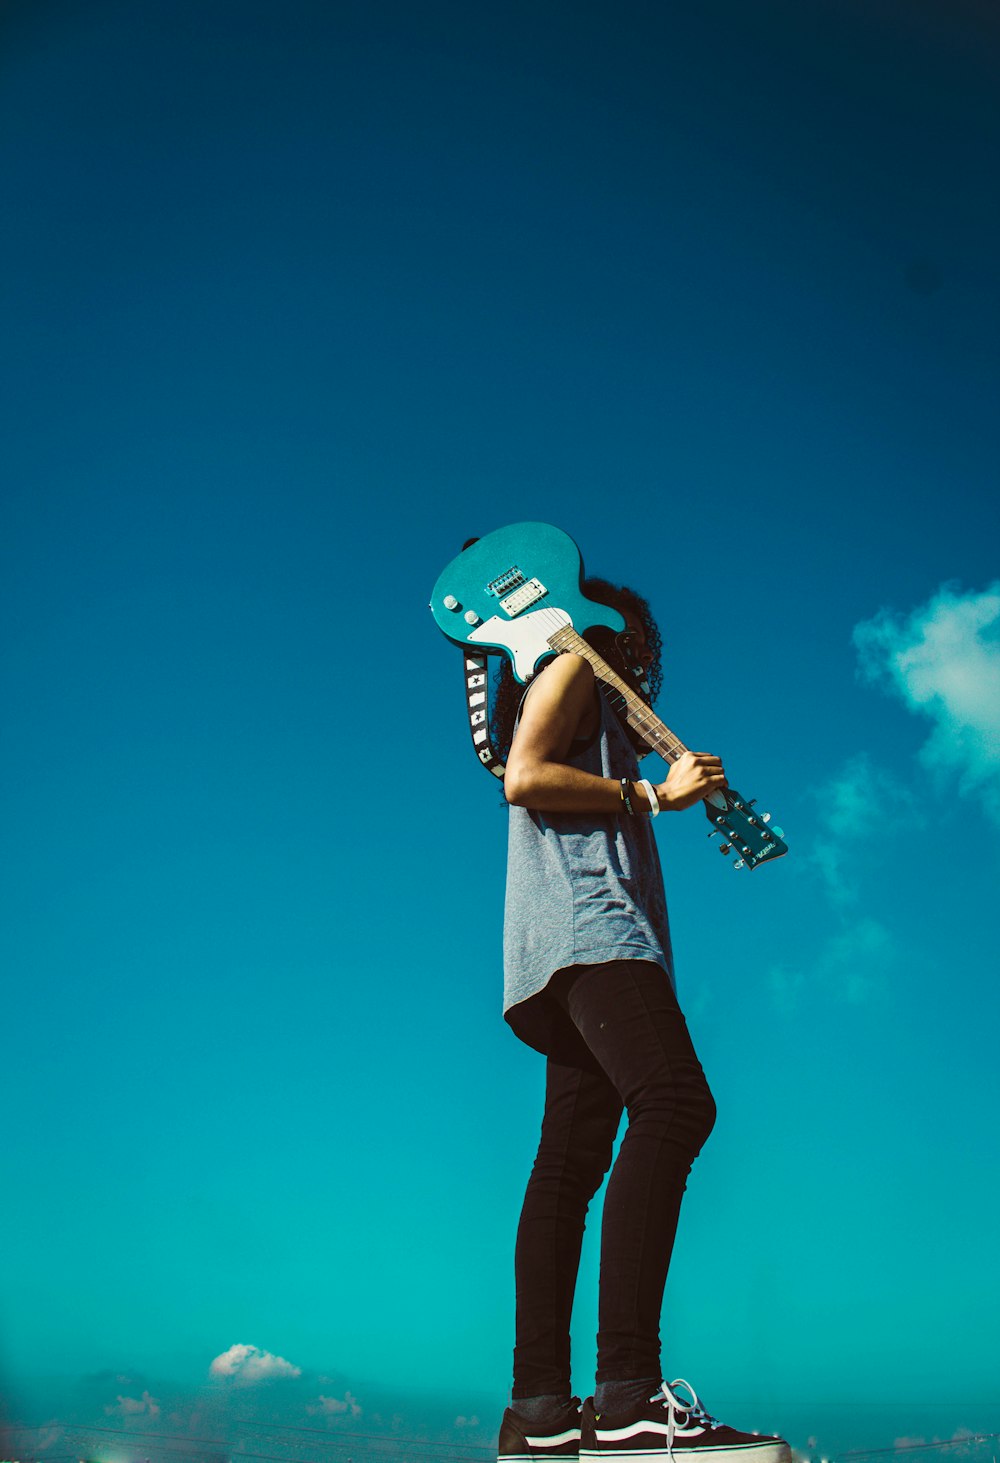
857 960
860 801
943 660
248 1364
960 1435
144 1406
334 1406
847 804
48 1435
786 986
851 961
852 966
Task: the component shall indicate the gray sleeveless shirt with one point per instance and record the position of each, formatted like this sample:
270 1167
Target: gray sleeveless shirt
582 889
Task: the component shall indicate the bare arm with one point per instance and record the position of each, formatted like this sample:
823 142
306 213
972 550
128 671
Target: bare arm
552 716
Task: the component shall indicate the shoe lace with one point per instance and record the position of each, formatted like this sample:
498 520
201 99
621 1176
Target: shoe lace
679 1411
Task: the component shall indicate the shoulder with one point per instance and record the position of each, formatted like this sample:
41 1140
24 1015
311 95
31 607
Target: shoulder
565 672
568 680
561 701
559 708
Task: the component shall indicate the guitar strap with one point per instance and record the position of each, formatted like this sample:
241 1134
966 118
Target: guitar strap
477 684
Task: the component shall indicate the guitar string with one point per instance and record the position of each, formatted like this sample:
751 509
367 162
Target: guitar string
645 719
657 735
642 716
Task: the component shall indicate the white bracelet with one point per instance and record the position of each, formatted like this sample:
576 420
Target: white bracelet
650 791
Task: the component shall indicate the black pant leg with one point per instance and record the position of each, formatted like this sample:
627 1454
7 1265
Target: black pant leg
628 1016
582 1114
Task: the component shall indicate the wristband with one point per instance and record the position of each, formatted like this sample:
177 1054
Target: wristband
650 791
626 799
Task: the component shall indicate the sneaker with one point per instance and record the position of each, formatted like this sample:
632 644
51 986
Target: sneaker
558 1442
671 1426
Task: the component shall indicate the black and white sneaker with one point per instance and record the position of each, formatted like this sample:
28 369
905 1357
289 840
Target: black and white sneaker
555 1442
673 1424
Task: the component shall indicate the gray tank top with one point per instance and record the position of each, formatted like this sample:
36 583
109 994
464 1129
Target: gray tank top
582 889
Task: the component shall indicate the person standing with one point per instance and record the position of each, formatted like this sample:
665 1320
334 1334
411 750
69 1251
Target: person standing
588 974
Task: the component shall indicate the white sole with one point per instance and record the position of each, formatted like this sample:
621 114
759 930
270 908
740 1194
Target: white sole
538 1457
750 1453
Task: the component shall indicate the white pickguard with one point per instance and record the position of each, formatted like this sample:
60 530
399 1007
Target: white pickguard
526 638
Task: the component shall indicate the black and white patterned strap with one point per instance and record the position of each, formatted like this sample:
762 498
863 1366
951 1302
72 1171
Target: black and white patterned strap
477 683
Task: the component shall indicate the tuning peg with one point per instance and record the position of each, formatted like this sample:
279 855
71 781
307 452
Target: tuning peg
739 864
778 832
765 817
725 847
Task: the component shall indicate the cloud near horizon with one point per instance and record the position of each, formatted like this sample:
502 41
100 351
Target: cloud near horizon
943 661
335 1406
960 1435
144 1406
247 1365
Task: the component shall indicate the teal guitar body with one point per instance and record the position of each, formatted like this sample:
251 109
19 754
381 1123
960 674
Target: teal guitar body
512 589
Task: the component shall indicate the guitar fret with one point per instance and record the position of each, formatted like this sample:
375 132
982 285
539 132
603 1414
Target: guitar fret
653 731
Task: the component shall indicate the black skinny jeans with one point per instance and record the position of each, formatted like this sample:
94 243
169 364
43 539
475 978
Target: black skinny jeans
620 1042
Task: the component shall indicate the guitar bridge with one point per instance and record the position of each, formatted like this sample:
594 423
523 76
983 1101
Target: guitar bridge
505 582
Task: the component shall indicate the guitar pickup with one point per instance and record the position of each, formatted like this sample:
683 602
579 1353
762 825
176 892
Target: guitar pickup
524 597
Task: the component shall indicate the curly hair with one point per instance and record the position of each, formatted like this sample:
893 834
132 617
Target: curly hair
507 690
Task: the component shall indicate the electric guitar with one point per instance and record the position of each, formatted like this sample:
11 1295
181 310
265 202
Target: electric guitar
519 590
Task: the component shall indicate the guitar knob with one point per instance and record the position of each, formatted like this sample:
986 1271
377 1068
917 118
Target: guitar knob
471 618
450 602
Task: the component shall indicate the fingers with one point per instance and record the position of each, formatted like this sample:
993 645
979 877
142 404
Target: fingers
710 767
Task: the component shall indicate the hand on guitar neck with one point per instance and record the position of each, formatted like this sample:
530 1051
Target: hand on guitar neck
691 779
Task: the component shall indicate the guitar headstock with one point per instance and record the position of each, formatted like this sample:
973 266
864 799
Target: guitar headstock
744 831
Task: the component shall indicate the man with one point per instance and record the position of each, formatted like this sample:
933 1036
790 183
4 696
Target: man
589 982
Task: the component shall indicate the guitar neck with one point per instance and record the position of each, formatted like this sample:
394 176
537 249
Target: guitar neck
658 737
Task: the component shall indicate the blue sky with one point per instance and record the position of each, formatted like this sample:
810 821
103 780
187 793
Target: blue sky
293 302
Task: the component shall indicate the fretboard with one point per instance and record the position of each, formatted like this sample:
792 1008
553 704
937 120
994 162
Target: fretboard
658 738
